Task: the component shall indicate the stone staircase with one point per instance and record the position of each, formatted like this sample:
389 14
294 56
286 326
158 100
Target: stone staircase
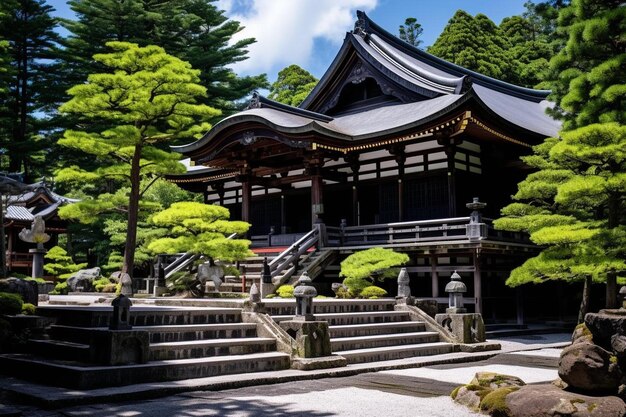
369 330
184 343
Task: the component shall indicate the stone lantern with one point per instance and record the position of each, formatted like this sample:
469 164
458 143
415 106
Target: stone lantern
455 288
121 313
476 229
304 294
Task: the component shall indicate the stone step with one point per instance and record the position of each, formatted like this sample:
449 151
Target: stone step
163 334
395 352
382 340
81 376
59 349
140 315
160 334
356 318
280 307
207 348
355 330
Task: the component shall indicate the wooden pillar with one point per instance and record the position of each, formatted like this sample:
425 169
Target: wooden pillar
478 297
449 145
434 276
219 188
246 195
283 215
400 160
317 199
353 160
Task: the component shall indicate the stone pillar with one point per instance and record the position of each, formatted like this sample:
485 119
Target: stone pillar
267 287
38 254
478 293
404 288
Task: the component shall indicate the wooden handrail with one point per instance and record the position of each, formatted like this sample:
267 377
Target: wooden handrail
292 254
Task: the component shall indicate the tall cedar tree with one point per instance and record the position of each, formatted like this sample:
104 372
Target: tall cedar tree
411 31
195 31
574 205
147 99
475 43
292 85
31 78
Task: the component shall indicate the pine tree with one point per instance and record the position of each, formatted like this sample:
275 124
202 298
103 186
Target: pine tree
202 229
411 31
145 100
574 205
292 86
192 30
31 78
475 43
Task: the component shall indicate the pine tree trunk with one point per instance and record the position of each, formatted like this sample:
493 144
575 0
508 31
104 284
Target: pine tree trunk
584 303
133 212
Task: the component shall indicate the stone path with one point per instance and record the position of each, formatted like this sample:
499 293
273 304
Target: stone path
412 392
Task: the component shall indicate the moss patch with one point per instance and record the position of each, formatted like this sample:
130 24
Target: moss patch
455 392
494 402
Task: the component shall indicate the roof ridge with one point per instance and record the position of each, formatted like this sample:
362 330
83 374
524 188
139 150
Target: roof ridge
258 101
364 27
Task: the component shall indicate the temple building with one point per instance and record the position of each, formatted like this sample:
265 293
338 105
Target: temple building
391 144
19 211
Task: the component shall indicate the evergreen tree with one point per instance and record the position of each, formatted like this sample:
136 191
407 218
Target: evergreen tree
292 86
475 43
192 30
574 205
145 100
533 40
202 229
31 79
411 31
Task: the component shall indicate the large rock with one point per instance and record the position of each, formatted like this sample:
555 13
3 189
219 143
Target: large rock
493 380
83 280
605 324
589 368
549 401
26 289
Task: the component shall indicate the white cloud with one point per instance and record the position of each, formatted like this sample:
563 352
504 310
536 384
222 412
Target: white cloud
285 30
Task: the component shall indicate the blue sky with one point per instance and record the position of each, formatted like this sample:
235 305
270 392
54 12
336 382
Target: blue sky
309 32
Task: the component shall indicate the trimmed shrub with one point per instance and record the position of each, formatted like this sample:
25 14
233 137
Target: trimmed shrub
361 269
372 291
61 288
101 283
10 303
29 309
285 291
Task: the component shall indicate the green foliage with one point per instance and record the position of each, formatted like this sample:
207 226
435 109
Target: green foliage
574 204
411 31
180 281
586 76
494 403
30 77
29 309
372 291
10 303
145 99
475 43
285 291
61 288
195 31
60 264
363 268
201 229
292 86
101 283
